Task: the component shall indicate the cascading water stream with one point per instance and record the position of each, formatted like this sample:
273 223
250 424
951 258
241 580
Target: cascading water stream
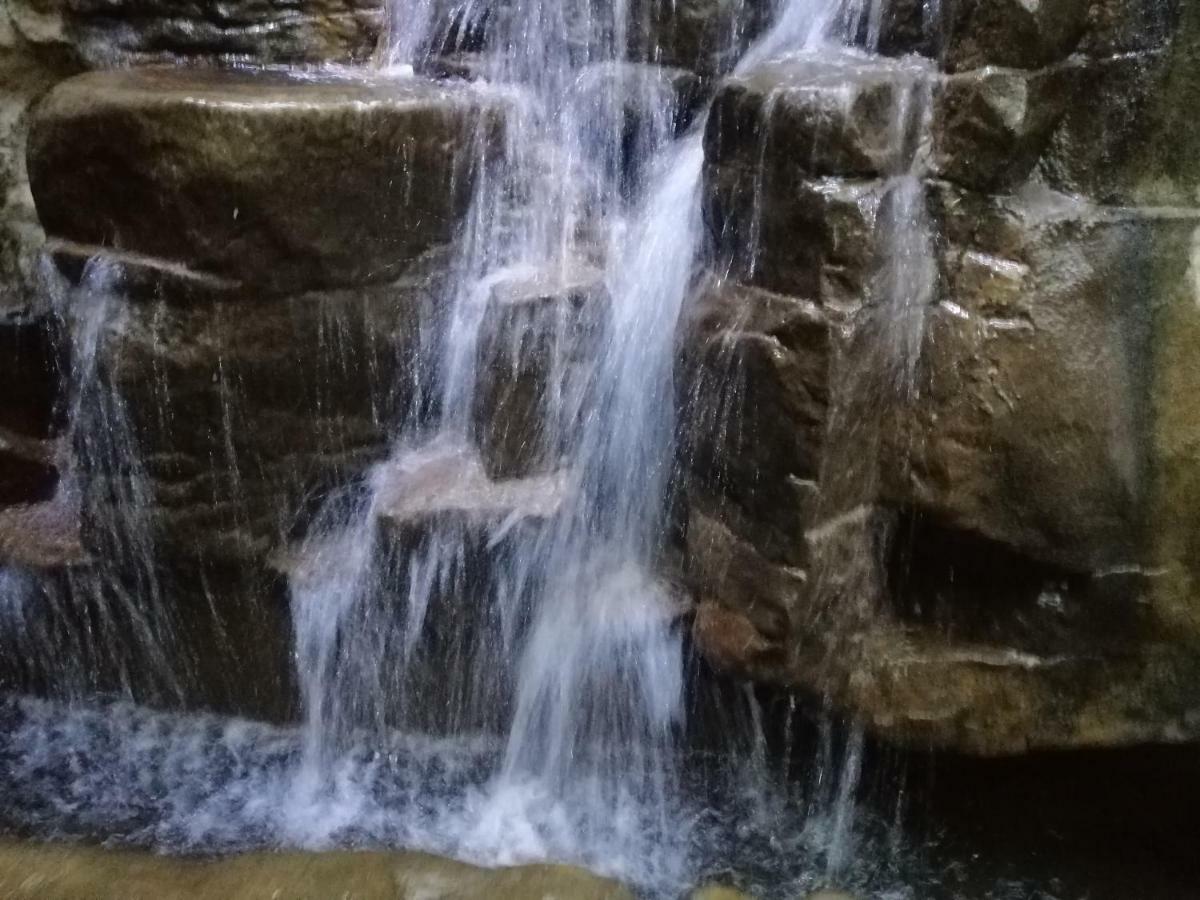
572 649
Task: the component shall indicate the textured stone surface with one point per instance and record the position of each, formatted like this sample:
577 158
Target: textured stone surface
27 473
988 542
274 181
1041 360
32 364
1025 34
52 872
447 487
816 114
755 367
263 31
990 127
34 55
861 118
537 348
810 237
993 604
701 35
237 410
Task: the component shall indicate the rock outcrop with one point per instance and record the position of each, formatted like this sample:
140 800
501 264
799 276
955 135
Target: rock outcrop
250 259
275 182
963 517
936 385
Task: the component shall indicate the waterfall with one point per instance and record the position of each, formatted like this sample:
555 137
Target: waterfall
487 623
420 608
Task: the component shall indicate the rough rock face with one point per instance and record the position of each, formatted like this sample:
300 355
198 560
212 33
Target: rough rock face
248 285
140 31
968 515
34 56
537 348
254 308
75 873
269 181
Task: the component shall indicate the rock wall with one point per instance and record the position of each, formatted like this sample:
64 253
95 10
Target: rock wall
940 441
245 263
969 519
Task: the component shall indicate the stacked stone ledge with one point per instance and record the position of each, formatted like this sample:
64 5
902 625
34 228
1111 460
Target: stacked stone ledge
994 559
269 250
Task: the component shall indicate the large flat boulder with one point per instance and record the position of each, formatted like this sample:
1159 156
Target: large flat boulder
59 872
279 182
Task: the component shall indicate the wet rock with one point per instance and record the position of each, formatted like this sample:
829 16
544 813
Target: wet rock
863 118
444 564
946 582
1133 139
817 115
1039 359
905 26
31 368
74 873
1096 148
1125 26
41 536
34 55
1012 33
275 181
718 892
706 36
810 237
755 367
1028 609
233 411
447 487
991 127
260 31
28 470
646 104
747 602
539 342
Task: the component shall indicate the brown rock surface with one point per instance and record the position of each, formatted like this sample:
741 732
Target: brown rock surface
276 181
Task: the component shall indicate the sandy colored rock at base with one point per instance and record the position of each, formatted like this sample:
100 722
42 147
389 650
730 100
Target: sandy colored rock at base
719 892
49 872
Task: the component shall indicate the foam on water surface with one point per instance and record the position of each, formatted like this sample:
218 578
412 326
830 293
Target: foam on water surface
198 784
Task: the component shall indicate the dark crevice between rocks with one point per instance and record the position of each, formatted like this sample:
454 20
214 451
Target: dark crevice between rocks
971 589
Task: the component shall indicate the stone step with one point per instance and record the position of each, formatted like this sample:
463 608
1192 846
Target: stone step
441 493
446 485
539 341
41 536
28 469
869 117
280 181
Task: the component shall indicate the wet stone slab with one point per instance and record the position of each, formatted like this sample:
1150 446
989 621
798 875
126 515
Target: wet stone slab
540 339
280 181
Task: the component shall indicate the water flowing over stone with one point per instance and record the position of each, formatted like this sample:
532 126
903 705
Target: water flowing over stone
588 430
